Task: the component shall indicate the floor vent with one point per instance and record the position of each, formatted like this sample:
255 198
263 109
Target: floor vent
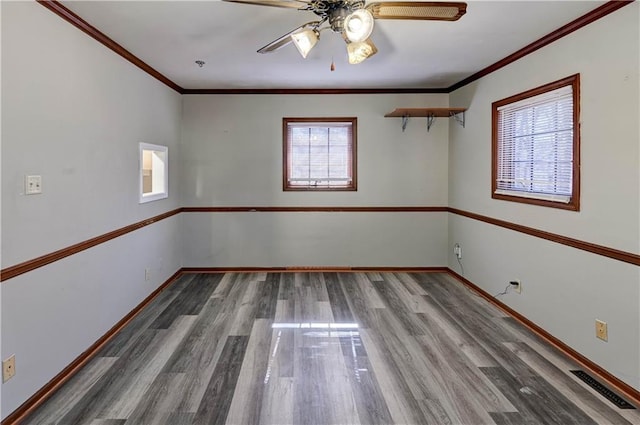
606 392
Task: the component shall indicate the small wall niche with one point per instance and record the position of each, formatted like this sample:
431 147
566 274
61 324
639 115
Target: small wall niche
154 172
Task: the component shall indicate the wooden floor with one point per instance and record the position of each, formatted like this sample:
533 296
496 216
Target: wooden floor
326 348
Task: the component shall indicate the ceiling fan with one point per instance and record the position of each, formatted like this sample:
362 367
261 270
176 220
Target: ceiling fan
353 20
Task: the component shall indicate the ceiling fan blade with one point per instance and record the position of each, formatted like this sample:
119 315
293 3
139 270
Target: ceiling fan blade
291 4
285 39
433 11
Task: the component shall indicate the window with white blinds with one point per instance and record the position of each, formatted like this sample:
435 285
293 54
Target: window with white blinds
535 145
319 153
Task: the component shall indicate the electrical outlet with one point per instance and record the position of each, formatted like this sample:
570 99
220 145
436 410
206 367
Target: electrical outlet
32 185
457 250
147 274
601 330
8 368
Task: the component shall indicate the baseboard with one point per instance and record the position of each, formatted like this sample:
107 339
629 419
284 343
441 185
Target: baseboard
625 389
47 391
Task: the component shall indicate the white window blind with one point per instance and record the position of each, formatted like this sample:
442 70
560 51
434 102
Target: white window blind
319 155
535 146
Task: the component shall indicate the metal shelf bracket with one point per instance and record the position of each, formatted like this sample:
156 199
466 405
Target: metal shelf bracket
458 117
405 121
430 119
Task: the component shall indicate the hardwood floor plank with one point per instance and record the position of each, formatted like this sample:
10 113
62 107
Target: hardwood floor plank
322 393
368 291
592 405
268 296
246 314
216 400
180 418
122 340
309 391
403 407
246 404
393 294
363 314
458 295
367 393
337 298
182 359
199 360
318 289
513 418
285 311
458 331
159 401
71 393
287 285
536 399
427 381
277 404
561 362
189 301
410 284
138 384
108 388
227 282
434 413
282 353
374 276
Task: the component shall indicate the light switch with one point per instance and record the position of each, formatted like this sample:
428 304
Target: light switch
33 185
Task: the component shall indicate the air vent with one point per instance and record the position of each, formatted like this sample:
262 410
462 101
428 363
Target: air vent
606 392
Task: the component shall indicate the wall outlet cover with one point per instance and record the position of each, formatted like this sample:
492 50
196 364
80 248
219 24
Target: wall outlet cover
601 330
8 368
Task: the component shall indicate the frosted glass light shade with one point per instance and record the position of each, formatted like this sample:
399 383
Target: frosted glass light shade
358 26
304 41
360 51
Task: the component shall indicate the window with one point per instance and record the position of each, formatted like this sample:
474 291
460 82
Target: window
319 153
536 146
154 172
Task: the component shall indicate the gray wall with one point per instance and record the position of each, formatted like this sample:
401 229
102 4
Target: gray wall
232 156
74 112
564 289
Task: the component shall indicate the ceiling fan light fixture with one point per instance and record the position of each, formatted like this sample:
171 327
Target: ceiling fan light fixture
358 25
305 40
360 51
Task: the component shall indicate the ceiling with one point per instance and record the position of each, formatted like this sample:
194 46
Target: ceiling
171 35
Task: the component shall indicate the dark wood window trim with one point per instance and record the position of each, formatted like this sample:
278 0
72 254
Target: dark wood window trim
574 202
353 186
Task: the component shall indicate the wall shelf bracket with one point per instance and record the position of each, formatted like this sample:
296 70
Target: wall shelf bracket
405 121
430 119
458 117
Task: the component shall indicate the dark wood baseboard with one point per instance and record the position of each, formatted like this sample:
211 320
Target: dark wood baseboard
74 367
625 389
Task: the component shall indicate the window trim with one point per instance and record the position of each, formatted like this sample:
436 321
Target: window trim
285 154
574 202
